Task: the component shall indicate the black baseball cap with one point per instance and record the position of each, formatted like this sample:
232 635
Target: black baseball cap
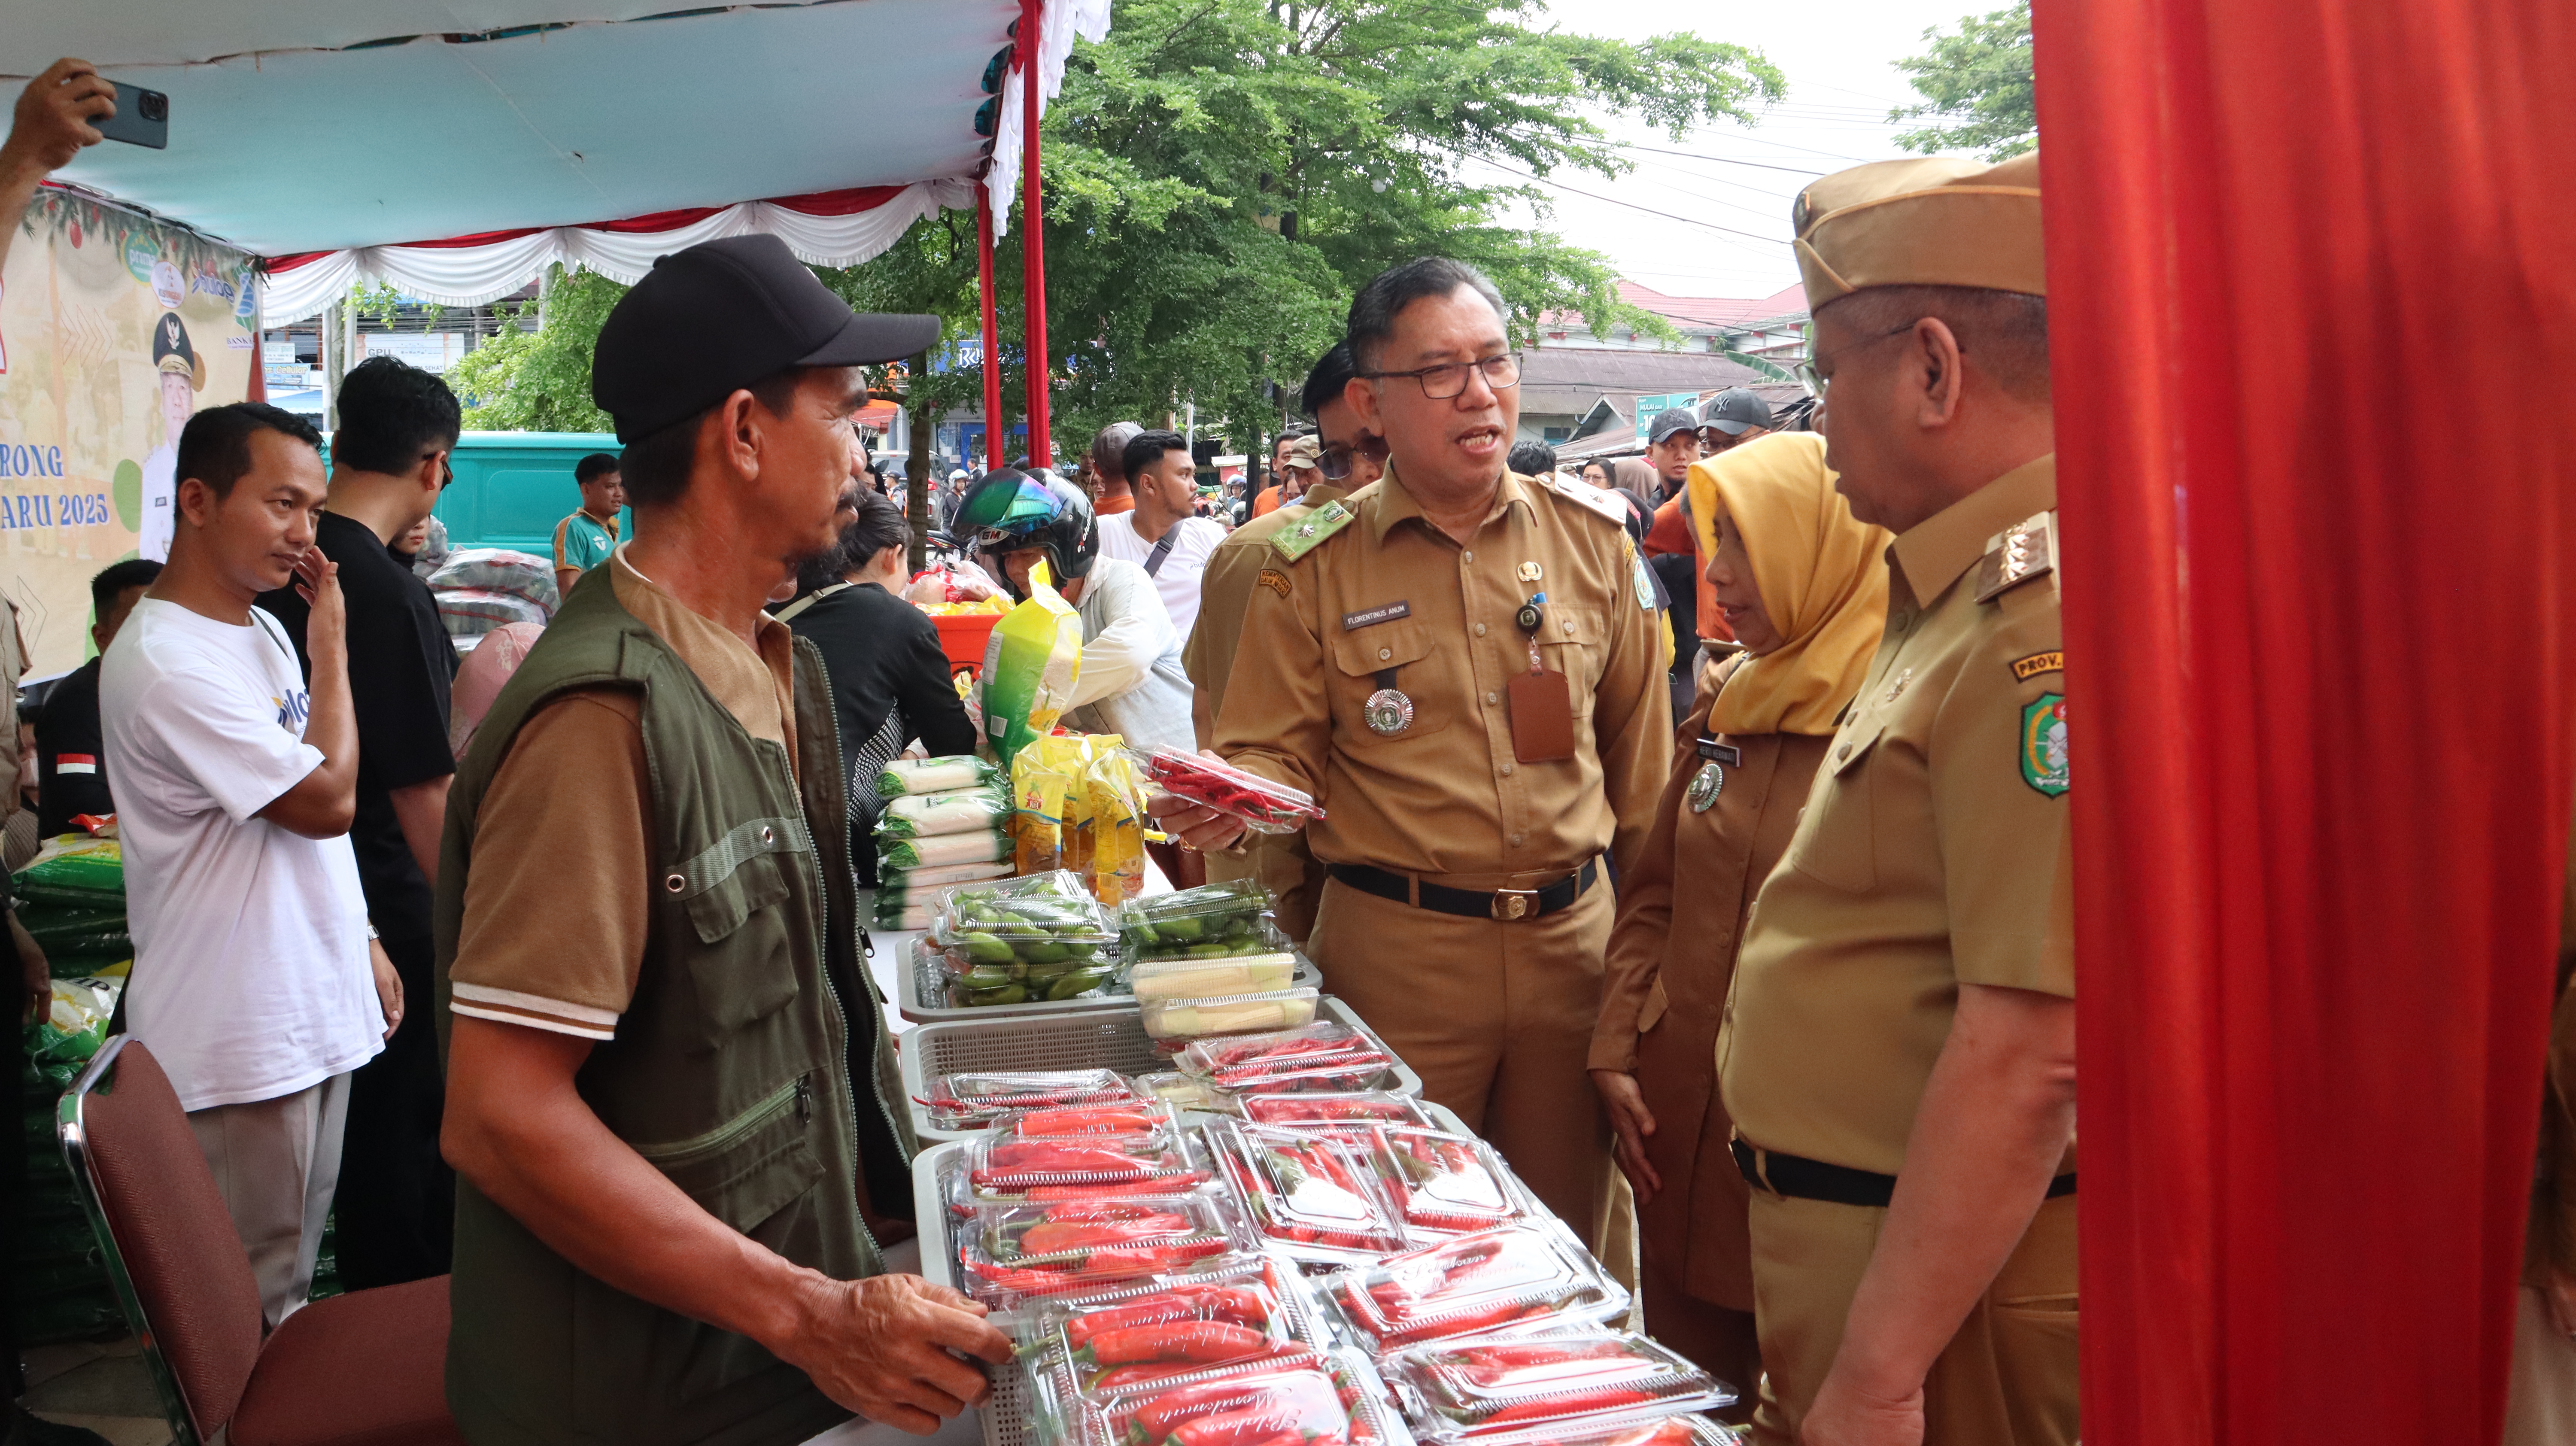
721 316
1669 421
1735 411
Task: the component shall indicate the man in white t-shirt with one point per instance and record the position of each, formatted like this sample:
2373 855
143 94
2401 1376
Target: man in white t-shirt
1164 534
256 982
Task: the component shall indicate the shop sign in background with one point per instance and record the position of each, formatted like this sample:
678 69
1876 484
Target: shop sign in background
114 329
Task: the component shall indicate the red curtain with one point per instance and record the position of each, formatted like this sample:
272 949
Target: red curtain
2312 273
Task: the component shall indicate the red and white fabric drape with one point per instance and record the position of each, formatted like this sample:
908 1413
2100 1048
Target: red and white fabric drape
833 228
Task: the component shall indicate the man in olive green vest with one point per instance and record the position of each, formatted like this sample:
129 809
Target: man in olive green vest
671 1103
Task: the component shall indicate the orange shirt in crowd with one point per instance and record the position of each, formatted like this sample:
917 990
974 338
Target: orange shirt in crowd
1672 533
1268 501
1111 506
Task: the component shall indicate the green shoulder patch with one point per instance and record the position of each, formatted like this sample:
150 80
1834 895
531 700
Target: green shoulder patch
2043 744
1302 536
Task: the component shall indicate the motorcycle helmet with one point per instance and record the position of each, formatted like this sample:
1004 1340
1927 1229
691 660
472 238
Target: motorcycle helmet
1008 510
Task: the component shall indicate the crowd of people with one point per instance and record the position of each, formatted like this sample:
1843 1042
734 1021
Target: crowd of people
1695 829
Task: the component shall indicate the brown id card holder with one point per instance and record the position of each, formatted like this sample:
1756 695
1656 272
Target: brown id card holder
1542 710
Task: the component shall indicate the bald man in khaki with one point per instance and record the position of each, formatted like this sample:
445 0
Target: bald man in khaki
1898 1052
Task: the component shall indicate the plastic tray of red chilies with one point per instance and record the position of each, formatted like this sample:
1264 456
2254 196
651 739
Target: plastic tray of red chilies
1238 1311
972 1100
1533 1275
1477 1389
1310 1195
1447 1184
1329 1401
1348 1114
1325 1056
1013 1251
1264 805
1661 1431
1015 1169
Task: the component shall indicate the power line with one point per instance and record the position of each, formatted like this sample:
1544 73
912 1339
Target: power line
1769 241
1722 160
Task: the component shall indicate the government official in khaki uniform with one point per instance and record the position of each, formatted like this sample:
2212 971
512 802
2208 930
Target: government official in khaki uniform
1348 460
1463 668
1899 1053
1803 586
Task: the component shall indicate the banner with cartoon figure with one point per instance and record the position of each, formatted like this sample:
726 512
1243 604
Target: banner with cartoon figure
114 329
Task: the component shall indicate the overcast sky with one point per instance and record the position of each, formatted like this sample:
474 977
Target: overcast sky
1838 57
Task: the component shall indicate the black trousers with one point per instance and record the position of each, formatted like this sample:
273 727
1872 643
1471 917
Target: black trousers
396 1208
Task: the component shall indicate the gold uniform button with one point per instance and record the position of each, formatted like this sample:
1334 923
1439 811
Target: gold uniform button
1480 630
1385 653
1569 627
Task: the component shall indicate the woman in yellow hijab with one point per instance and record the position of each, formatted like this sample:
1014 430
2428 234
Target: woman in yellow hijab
1804 586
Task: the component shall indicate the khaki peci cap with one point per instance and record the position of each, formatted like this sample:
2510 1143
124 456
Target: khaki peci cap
1932 222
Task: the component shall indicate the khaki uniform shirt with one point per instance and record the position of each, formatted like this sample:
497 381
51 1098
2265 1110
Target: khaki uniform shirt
1446 797
1225 594
1934 850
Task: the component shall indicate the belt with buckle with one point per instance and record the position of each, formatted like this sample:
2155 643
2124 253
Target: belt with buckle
1509 905
1800 1179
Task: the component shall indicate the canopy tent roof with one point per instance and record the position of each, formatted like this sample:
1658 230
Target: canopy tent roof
341 127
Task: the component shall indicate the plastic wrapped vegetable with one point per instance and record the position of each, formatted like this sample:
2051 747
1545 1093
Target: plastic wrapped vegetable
1479 1388
1446 1184
1662 1431
1048 1249
1263 805
1254 1406
1127 1336
1034 919
982 846
1325 1056
1203 979
1187 1092
1012 1169
921 815
974 1099
1059 1121
1358 1109
1170 926
1312 1197
1533 1274
935 775
1169 1019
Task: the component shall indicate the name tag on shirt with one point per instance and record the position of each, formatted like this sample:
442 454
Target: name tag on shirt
1370 617
1716 752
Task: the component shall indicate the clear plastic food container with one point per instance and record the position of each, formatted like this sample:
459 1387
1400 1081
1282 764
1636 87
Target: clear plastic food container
1473 1389
1447 1184
1326 1056
1229 1014
1662 1431
1212 921
1349 1113
1267 806
1311 1196
1002 1169
1042 919
1152 1330
1214 978
1188 1092
1513 1276
1009 1252
1154 1119
1330 1401
973 1099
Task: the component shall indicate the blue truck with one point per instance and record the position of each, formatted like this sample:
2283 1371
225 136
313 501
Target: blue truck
511 488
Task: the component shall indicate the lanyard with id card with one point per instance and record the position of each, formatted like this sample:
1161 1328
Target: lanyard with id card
1542 710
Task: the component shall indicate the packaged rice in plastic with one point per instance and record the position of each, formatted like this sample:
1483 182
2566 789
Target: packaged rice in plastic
935 775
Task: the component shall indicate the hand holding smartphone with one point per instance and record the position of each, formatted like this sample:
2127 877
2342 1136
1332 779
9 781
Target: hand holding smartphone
141 118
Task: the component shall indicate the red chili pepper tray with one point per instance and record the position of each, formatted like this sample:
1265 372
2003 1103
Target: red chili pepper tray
1267 806
1313 1197
1476 1389
1233 1313
1532 1276
1039 1250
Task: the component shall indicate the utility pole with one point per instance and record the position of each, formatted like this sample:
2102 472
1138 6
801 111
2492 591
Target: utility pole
916 470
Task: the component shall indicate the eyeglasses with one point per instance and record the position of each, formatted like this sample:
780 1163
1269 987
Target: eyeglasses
1337 459
1814 381
1449 379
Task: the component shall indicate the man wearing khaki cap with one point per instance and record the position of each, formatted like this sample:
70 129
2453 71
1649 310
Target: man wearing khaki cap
1899 1053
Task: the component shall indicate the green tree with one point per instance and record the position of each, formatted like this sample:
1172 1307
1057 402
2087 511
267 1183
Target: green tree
539 381
1977 83
1221 173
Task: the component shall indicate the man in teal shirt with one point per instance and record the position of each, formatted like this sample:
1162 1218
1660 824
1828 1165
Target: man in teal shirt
584 540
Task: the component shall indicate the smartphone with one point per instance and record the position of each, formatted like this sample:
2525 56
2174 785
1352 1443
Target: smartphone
142 117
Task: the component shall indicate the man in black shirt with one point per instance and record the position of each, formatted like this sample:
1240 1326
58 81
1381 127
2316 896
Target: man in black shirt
71 762
891 682
388 461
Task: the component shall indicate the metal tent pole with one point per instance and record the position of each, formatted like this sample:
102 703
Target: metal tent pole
1033 237
992 327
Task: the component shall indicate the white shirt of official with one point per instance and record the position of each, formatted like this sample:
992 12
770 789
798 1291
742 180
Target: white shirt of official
251 973
1178 580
